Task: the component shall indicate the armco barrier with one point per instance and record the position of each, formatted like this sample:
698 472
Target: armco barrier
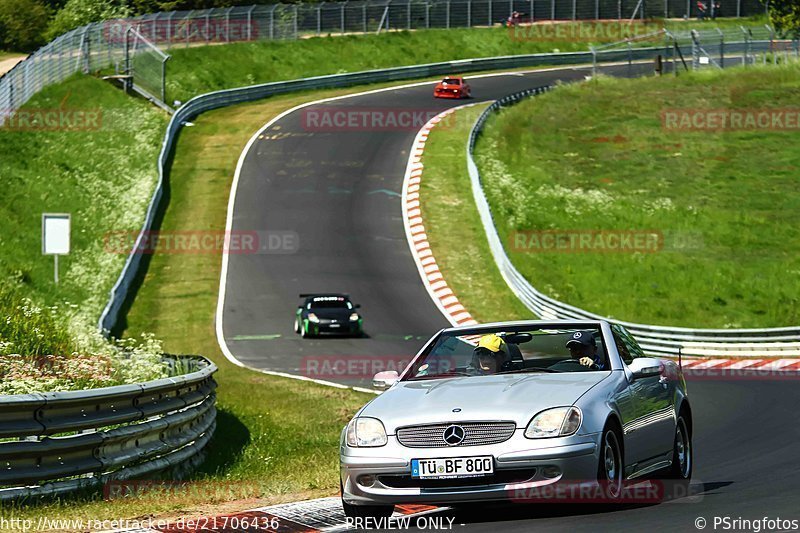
655 340
64 441
218 99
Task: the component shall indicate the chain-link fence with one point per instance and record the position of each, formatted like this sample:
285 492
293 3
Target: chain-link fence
694 50
103 45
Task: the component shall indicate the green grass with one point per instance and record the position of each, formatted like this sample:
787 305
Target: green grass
725 202
195 70
103 176
456 237
276 438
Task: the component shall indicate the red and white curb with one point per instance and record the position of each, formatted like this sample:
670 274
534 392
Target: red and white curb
760 366
441 294
312 516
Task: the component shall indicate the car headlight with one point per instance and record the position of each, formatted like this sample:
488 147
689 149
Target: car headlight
313 318
365 432
353 317
556 422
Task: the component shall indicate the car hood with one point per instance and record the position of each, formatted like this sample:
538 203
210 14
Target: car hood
505 397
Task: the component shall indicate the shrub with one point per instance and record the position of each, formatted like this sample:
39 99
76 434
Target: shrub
22 24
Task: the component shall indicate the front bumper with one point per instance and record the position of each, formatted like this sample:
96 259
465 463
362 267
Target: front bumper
331 327
521 465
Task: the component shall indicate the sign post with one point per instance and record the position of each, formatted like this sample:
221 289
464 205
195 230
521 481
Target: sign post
55 237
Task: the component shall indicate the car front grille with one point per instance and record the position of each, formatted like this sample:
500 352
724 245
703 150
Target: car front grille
475 434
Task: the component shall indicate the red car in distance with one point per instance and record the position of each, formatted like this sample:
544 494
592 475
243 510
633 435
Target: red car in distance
452 87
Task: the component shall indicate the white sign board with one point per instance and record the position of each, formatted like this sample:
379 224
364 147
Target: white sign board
55 234
704 60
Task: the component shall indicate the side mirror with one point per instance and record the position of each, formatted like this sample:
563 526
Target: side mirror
645 367
384 380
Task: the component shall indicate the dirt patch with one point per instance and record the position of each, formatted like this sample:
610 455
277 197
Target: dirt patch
9 63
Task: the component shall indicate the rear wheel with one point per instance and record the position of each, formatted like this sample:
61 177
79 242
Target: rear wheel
296 325
682 461
610 467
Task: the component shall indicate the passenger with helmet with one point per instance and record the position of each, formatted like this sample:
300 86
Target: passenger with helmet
489 356
583 348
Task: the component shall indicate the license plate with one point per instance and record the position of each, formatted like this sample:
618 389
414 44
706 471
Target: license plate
335 325
452 467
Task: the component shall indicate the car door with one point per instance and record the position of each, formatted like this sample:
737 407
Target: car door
654 421
630 409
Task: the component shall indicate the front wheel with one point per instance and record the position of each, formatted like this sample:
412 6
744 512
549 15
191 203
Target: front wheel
610 467
296 325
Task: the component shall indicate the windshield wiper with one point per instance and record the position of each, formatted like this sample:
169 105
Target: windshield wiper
532 369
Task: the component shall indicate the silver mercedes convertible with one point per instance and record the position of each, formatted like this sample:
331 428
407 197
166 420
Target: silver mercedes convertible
504 411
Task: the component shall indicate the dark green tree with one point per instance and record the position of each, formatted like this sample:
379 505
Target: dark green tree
785 16
22 24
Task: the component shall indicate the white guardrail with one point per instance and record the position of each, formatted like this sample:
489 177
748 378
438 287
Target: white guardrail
655 340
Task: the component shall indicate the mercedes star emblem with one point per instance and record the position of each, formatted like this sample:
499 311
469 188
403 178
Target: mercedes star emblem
454 435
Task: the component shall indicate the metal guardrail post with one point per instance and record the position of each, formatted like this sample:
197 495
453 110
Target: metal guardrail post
746 45
721 48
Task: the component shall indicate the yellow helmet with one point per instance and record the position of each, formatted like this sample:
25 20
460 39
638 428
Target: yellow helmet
491 342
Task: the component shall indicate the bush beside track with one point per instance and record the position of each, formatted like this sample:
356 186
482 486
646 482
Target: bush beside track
102 172
724 201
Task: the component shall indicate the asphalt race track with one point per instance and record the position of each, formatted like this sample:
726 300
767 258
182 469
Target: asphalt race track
339 194
746 466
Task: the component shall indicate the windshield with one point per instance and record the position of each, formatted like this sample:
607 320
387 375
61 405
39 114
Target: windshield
520 351
451 81
330 303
